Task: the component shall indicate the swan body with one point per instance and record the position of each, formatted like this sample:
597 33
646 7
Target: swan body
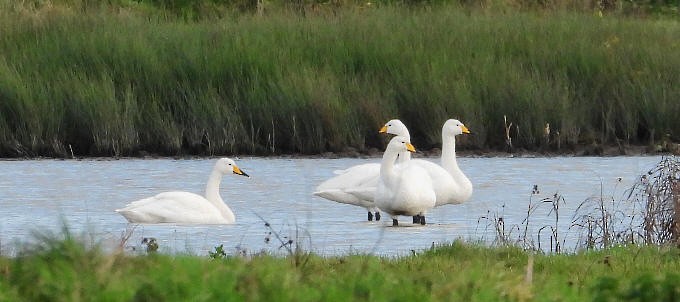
356 185
186 207
350 186
445 186
404 189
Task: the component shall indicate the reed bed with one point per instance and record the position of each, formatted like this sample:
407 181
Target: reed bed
120 81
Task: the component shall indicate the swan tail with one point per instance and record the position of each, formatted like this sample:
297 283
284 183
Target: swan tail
343 197
130 216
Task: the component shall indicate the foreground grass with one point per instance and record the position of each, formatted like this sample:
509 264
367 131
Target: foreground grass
64 270
112 81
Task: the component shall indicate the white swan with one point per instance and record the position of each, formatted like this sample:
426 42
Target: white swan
450 183
404 189
185 207
450 130
357 184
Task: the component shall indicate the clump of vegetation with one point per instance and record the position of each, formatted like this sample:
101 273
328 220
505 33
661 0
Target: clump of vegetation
659 192
151 244
651 214
219 252
525 234
647 214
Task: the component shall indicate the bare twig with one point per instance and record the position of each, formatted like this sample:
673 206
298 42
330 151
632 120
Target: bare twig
508 139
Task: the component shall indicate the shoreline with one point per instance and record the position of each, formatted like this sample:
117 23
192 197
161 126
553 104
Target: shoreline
582 151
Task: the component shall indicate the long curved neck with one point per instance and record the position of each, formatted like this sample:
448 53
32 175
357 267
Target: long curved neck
450 164
387 166
449 154
212 194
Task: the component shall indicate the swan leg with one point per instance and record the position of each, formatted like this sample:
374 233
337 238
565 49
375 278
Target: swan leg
416 219
422 219
395 222
377 216
370 216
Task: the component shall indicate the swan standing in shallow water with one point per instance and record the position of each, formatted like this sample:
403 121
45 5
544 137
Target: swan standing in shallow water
357 184
404 189
185 207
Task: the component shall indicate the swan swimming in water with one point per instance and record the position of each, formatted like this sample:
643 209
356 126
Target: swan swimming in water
186 207
356 185
404 189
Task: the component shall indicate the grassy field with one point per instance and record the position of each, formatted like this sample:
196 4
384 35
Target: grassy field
115 80
64 269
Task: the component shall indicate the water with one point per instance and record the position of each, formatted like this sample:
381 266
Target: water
41 195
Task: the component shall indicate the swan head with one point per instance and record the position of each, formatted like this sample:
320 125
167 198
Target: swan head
227 165
395 127
399 144
454 127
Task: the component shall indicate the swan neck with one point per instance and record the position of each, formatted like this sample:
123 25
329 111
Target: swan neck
450 164
212 194
449 154
387 165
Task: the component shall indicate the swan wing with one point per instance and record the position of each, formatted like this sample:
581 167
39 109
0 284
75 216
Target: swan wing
172 207
364 193
353 177
355 185
345 197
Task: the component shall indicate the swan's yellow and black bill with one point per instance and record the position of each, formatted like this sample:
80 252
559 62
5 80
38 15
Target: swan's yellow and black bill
238 171
410 147
465 129
383 129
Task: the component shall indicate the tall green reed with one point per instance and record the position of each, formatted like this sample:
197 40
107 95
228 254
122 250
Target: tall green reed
118 83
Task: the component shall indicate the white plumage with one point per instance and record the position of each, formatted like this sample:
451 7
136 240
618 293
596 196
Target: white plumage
404 189
186 207
356 185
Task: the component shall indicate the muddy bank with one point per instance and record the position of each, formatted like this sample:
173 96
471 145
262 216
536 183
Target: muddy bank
582 150
349 152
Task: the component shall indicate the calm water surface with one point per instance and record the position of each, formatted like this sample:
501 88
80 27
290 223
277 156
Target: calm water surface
40 195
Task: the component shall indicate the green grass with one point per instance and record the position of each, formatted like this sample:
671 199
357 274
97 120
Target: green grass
114 80
65 270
